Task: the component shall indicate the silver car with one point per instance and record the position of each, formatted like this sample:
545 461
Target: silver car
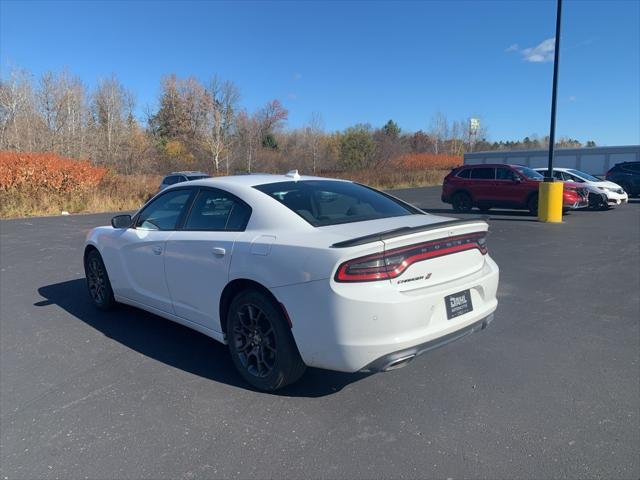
177 177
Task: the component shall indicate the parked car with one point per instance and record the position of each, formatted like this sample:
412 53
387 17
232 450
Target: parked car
602 193
507 186
627 175
178 177
294 271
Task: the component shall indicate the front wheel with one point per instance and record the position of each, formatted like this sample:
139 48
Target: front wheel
98 282
461 202
260 342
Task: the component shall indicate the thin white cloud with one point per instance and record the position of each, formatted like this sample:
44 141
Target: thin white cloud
541 53
292 96
572 98
297 76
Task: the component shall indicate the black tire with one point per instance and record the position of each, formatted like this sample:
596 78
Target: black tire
461 202
260 342
98 282
532 204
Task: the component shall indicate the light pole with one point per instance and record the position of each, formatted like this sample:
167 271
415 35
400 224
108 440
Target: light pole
550 191
554 93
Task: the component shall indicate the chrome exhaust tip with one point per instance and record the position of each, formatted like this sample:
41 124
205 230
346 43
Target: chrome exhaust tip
399 362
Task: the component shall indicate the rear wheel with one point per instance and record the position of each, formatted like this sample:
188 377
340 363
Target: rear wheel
532 205
98 281
461 202
260 342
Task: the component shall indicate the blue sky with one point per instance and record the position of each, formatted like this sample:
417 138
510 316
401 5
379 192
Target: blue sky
358 61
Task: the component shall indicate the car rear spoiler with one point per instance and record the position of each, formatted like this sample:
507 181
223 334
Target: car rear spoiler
396 232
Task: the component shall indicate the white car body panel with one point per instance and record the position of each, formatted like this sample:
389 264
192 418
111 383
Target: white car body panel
336 325
614 192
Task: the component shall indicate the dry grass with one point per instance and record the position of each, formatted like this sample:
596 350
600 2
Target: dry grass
387 179
128 192
113 193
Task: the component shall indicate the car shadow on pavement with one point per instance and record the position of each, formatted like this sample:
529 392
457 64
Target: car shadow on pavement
176 345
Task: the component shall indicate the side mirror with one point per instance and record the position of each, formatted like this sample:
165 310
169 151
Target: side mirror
121 221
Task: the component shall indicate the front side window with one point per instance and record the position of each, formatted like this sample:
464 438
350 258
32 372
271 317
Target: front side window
216 210
483 173
464 173
163 212
328 202
585 176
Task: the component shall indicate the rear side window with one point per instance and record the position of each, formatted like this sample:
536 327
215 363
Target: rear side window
328 202
216 210
483 173
464 173
634 167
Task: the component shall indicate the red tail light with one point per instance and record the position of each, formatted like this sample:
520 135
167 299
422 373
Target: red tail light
392 263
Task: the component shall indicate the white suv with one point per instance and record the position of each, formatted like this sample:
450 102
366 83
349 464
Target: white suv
613 192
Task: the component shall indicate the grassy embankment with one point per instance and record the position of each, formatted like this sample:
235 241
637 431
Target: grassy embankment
35 184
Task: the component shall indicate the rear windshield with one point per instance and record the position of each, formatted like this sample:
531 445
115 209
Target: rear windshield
327 202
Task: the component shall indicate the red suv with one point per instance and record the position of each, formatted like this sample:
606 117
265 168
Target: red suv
507 186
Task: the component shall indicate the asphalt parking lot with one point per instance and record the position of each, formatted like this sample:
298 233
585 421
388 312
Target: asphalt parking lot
550 390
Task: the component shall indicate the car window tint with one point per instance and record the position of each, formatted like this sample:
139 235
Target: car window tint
634 167
505 174
464 173
328 202
483 173
163 212
216 210
196 177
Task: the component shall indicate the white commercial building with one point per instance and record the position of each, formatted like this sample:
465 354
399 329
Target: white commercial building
593 160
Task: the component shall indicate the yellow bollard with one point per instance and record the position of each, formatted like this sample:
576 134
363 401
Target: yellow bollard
550 202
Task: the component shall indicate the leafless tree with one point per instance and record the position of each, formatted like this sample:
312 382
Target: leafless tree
439 130
220 119
313 133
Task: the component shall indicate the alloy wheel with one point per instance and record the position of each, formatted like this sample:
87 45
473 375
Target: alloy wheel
255 340
96 280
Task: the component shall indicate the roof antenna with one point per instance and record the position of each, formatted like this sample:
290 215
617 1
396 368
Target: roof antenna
293 174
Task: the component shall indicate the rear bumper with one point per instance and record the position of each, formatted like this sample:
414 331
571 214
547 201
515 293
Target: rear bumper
399 359
350 329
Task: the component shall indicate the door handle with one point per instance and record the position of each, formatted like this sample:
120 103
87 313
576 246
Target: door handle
218 251
157 250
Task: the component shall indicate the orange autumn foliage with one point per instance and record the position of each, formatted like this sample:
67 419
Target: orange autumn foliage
47 172
423 161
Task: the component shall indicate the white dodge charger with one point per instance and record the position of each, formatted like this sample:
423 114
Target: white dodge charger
294 271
